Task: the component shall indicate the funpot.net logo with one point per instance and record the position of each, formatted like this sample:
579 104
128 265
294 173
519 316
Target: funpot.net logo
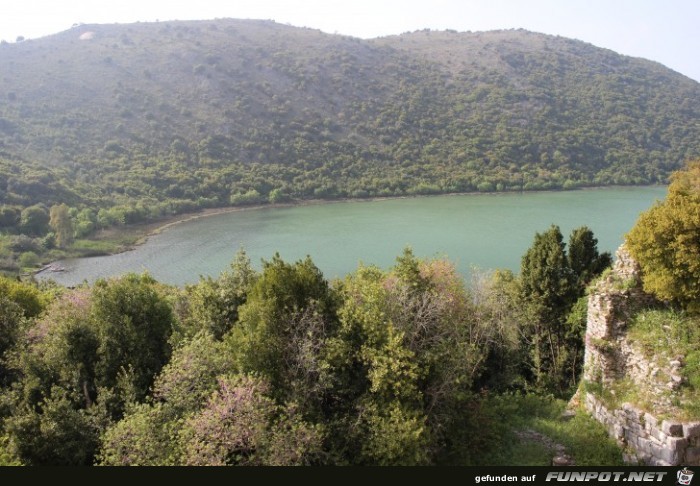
606 476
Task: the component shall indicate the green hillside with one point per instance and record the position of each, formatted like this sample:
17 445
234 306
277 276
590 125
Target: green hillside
150 119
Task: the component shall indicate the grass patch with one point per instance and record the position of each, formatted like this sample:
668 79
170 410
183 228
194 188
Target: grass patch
96 247
613 396
584 438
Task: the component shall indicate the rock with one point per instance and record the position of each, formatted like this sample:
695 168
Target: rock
691 430
692 456
644 446
650 422
563 460
568 415
630 459
673 429
658 462
658 435
675 449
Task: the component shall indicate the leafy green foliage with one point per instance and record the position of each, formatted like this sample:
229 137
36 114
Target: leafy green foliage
665 241
7 457
145 437
57 433
289 312
278 367
213 304
34 220
190 377
93 354
26 296
133 326
11 320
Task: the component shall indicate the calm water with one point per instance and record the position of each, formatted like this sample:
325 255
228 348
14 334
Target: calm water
484 231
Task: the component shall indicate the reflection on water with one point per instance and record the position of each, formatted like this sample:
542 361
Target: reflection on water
486 231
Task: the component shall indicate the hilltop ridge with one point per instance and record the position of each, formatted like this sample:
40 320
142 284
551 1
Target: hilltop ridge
175 116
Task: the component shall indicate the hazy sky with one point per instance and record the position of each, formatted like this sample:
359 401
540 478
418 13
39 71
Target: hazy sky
667 31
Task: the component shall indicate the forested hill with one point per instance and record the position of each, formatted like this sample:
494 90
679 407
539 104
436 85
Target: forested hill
165 117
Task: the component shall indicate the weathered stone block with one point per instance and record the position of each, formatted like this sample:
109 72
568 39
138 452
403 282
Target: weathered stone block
691 430
629 458
677 443
658 435
673 429
590 401
692 456
672 452
650 422
637 428
659 462
633 413
643 446
645 458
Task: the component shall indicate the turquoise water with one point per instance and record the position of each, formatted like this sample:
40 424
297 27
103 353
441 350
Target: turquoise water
479 230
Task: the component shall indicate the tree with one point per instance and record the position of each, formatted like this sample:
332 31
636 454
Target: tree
190 377
241 425
133 324
62 225
55 433
551 282
288 314
34 220
278 195
9 216
583 257
146 436
665 241
85 222
26 296
10 322
213 304
92 355
548 290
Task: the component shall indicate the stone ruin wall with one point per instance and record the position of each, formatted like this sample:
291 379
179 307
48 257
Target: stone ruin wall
611 357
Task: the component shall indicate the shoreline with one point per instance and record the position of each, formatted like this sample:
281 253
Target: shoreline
143 231
159 227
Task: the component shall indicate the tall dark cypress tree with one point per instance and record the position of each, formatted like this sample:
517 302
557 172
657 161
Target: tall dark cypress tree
548 291
551 283
584 259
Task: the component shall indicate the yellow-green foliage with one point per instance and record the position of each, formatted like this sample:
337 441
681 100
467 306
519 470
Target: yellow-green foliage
24 295
7 456
666 241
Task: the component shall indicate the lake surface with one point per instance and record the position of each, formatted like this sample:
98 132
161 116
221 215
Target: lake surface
486 231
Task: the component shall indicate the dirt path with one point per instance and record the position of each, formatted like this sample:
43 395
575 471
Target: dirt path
559 454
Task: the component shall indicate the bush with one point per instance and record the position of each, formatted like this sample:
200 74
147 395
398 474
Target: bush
666 242
28 259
